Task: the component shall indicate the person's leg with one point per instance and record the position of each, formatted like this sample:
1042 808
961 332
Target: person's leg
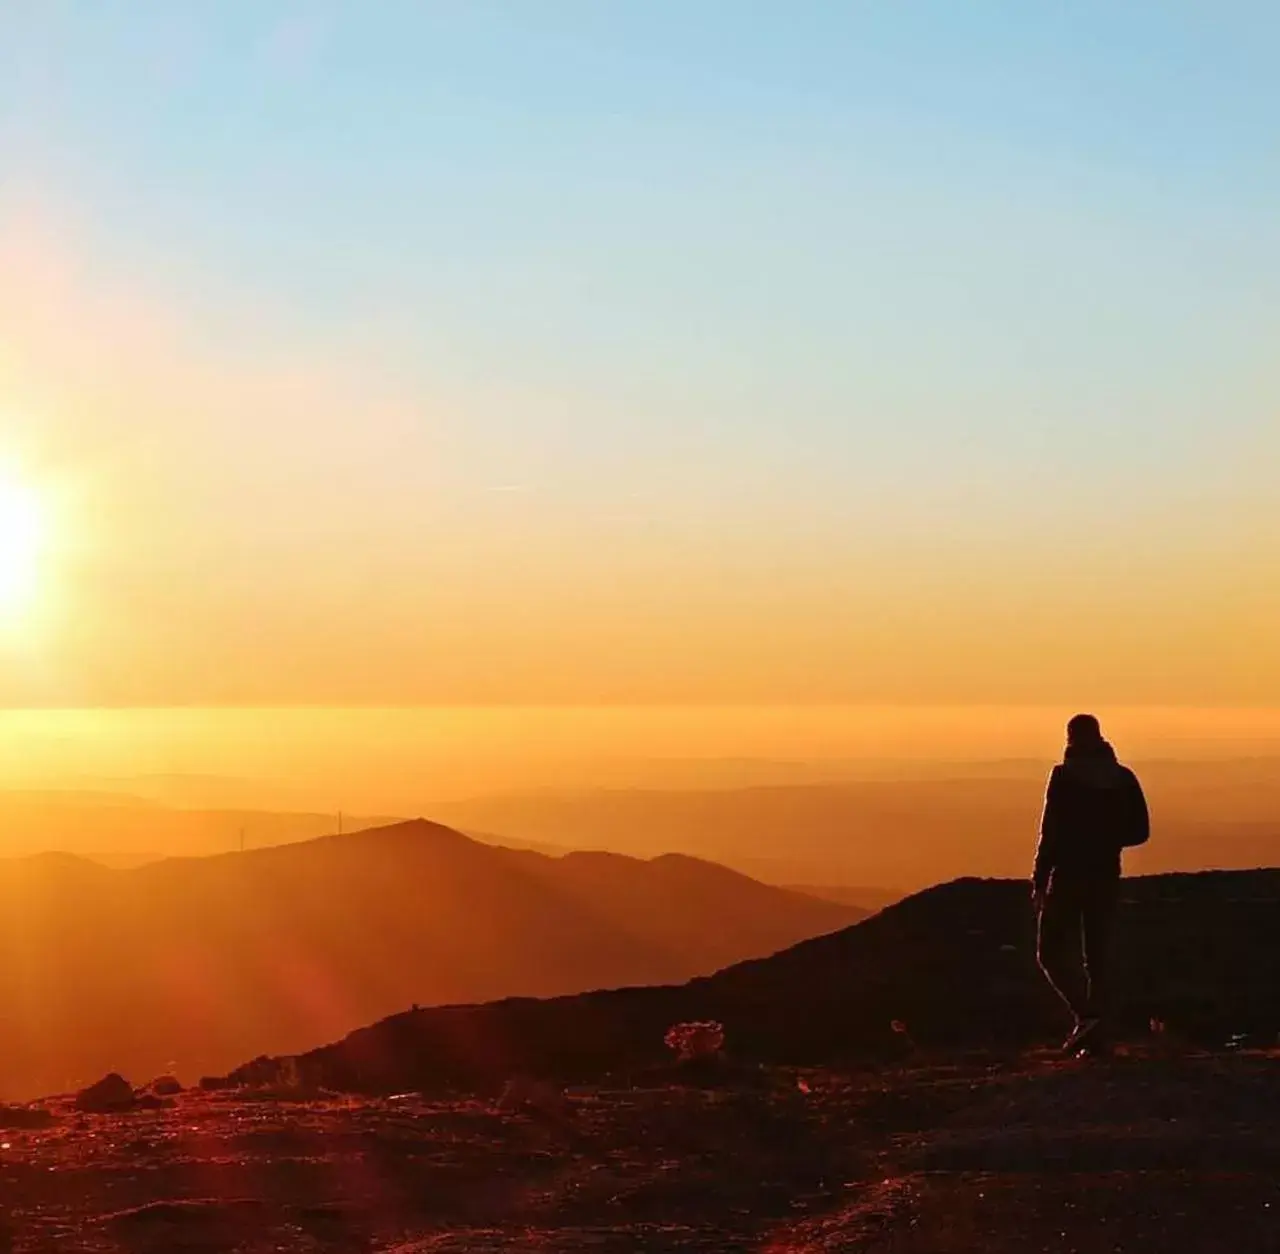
1058 948
1098 912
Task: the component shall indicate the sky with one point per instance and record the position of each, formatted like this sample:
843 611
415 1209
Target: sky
550 352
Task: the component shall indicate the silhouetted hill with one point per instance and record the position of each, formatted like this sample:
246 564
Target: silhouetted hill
954 964
193 963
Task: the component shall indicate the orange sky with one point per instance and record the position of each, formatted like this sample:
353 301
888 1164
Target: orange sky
206 554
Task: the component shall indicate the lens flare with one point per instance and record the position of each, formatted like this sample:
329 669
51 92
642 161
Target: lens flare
23 532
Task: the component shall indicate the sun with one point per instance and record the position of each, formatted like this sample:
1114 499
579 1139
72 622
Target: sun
23 532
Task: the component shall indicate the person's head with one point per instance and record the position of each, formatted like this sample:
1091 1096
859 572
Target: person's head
1084 730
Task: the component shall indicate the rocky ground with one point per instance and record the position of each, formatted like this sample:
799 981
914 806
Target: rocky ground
1146 1152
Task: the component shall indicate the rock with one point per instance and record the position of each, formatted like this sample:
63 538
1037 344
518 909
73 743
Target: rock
523 1093
166 1086
113 1092
20 1117
149 1101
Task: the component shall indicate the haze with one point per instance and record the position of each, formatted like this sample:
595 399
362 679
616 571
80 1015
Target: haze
388 759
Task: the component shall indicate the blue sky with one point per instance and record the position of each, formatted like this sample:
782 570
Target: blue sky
845 216
865 282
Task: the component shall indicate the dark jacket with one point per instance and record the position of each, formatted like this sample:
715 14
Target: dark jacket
1093 809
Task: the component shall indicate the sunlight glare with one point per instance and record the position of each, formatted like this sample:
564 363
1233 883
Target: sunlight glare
22 539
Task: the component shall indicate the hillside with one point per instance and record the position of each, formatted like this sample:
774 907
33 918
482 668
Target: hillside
196 963
954 964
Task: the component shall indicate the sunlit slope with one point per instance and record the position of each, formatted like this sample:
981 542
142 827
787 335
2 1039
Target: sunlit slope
196 963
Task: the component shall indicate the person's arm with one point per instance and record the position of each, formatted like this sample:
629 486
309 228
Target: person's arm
1139 825
1050 835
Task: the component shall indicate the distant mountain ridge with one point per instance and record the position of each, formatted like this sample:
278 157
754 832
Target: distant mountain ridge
193 963
950 967
864 897
121 828
901 832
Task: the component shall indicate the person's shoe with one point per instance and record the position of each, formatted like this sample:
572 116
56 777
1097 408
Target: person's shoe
1095 1047
1085 1029
1091 1041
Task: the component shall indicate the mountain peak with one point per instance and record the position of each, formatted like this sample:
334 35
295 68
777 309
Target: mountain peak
408 830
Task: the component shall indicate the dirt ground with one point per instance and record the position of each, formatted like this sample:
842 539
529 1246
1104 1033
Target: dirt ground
1020 1154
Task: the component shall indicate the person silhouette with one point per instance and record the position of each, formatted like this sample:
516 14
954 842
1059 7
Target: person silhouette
1094 808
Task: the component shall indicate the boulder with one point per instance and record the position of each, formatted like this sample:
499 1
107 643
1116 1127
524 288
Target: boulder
113 1092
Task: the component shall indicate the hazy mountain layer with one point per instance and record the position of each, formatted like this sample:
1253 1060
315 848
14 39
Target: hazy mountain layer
195 963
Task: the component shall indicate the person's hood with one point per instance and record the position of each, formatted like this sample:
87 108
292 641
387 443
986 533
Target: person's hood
1094 765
